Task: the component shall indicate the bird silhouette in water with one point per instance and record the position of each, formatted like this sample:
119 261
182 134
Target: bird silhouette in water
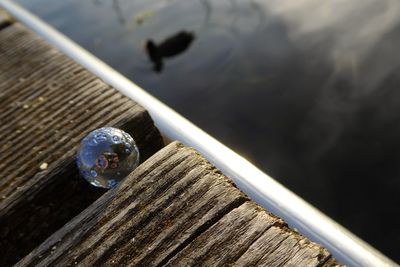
170 47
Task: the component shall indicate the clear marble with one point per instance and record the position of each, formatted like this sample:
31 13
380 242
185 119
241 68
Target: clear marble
106 156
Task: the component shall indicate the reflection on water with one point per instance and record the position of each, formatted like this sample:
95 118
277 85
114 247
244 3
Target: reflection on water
170 47
307 89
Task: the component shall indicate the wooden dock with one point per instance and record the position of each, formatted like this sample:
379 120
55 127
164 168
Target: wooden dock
175 209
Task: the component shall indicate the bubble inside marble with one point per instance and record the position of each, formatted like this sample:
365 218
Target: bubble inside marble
106 156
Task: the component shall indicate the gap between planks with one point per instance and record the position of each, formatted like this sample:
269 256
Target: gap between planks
176 209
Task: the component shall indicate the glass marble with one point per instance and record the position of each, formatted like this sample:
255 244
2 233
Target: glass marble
106 156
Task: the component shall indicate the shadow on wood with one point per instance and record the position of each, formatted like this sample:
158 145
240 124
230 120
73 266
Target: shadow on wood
176 210
48 103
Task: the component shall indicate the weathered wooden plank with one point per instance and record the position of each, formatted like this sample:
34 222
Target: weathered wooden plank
47 104
278 246
228 239
244 237
177 210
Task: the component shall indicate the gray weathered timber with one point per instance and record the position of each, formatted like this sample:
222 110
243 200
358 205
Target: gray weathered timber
176 209
47 104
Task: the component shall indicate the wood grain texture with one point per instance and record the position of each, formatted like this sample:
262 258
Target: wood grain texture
176 209
48 103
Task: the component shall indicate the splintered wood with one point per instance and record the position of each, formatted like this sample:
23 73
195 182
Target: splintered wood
47 104
176 210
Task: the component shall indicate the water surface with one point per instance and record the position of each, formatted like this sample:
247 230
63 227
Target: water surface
307 90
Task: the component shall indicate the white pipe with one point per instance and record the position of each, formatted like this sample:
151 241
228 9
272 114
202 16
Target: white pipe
345 246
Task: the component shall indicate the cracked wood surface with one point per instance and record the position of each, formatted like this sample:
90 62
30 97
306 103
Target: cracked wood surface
47 104
176 209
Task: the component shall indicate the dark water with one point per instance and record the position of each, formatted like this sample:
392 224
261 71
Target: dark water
308 90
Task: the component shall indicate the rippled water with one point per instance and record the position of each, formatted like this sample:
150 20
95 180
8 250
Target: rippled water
308 90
